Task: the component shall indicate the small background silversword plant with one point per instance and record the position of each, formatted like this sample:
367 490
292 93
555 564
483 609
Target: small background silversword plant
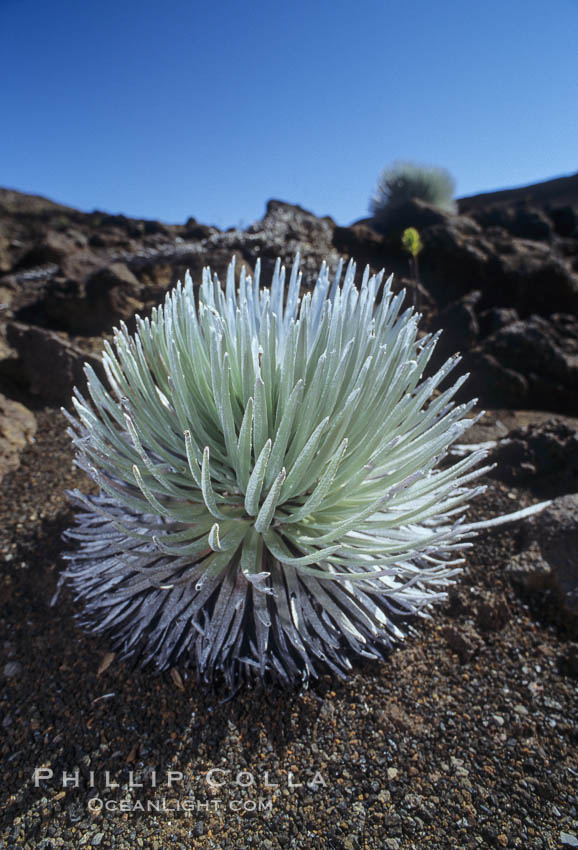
408 181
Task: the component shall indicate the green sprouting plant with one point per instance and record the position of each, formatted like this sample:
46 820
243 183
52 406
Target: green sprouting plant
411 242
406 181
271 500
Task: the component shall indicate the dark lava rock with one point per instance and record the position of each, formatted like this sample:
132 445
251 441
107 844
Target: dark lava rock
52 364
492 320
459 601
455 259
531 363
493 383
507 302
557 534
533 280
413 213
512 273
153 226
112 294
96 304
523 220
52 248
17 427
361 242
569 660
493 613
464 641
541 454
460 326
565 220
550 560
194 230
284 230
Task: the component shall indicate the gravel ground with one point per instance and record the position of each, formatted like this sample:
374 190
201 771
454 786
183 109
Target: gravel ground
465 738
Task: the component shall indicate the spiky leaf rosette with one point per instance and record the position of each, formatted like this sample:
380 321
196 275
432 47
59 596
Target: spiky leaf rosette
271 499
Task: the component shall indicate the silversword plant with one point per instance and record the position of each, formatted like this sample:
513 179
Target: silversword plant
271 497
406 181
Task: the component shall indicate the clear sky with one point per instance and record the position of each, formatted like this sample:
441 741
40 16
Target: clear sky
174 108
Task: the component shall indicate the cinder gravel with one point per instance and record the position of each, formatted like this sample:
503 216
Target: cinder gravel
465 738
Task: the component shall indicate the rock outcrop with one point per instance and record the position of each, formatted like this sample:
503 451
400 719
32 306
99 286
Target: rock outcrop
550 560
17 428
500 278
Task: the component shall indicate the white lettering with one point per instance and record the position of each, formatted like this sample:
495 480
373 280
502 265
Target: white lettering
213 782
292 784
131 781
270 784
107 782
71 779
41 773
317 780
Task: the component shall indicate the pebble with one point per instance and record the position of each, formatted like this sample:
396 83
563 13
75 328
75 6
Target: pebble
12 668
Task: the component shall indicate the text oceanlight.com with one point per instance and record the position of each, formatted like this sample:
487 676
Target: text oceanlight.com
188 805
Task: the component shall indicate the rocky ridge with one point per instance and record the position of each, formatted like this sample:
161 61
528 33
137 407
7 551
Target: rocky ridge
502 281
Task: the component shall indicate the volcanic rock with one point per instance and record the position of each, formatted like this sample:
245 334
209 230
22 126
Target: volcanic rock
557 532
522 220
53 365
17 428
96 304
530 363
544 454
550 559
499 278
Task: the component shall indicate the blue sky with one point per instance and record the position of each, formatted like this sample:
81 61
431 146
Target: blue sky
180 108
